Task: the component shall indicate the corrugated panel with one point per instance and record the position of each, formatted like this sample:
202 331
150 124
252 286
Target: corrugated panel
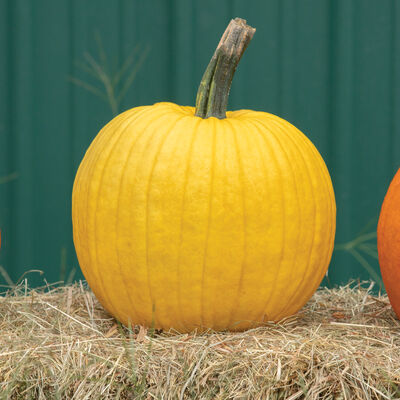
19 235
5 122
331 67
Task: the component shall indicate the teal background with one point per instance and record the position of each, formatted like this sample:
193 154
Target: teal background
330 67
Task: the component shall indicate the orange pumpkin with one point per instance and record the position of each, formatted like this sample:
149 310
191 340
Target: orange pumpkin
389 242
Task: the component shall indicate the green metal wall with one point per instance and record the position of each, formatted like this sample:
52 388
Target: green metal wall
331 67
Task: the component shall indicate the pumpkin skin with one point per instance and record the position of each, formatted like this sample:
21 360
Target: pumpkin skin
389 242
189 223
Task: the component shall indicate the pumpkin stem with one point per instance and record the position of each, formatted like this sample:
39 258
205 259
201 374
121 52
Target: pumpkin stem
213 93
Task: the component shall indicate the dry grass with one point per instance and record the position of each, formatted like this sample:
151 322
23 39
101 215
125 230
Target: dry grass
59 343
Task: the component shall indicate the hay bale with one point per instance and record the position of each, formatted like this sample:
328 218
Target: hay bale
58 342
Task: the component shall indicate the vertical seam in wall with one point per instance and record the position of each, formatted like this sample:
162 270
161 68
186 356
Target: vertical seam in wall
295 71
71 89
331 150
352 104
391 157
86 98
171 78
193 51
331 76
71 125
121 53
11 125
33 126
30 109
280 58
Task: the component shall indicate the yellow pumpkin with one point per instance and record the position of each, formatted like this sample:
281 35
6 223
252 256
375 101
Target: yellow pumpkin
192 222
